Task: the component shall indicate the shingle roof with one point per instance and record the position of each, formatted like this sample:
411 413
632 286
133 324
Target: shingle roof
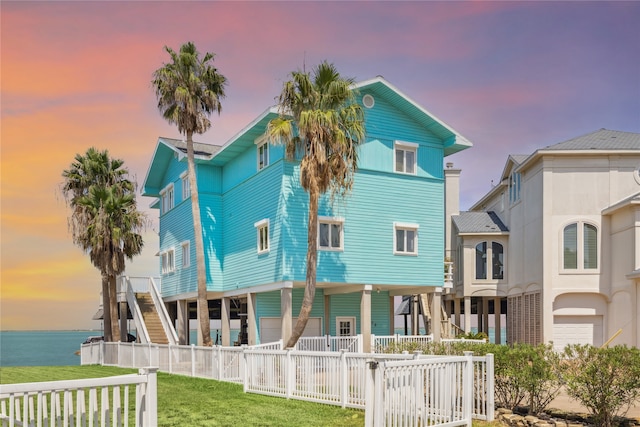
199 149
602 139
479 222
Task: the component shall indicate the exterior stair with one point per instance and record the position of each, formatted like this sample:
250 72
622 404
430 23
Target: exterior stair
157 334
447 328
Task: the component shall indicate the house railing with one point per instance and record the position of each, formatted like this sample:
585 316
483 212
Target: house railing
337 378
81 402
329 343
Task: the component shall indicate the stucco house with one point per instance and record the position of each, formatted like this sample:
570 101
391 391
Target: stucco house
385 239
555 244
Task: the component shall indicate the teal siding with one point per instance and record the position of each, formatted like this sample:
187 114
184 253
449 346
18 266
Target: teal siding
380 309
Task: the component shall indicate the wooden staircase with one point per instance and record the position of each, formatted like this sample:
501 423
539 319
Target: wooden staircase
157 335
447 328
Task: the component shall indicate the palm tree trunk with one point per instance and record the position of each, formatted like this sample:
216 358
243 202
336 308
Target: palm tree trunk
113 308
204 338
106 311
312 264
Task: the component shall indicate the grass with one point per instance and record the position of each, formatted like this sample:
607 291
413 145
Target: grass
186 401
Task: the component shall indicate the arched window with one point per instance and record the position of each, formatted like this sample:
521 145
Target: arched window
486 252
580 246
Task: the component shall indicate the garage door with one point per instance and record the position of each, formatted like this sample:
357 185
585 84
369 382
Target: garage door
270 328
577 330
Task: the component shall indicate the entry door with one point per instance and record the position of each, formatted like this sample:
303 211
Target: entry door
346 326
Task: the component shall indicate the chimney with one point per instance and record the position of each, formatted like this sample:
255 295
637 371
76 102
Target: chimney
451 203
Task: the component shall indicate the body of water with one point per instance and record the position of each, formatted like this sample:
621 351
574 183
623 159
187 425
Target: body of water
42 348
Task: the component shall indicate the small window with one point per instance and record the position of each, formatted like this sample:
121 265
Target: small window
262 228
346 326
168 261
186 255
514 187
330 232
186 186
493 269
405 238
481 261
580 246
405 157
166 196
263 153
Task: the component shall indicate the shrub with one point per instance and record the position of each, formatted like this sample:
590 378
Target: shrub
604 380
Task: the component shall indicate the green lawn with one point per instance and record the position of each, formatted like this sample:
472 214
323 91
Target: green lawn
185 401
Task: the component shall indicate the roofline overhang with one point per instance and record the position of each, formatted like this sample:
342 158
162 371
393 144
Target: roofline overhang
544 152
629 201
495 190
486 233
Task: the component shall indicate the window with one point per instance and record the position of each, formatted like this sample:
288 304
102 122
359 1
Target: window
186 255
580 246
514 187
166 196
168 261
486 252
405 157
405 238
263 153
186 186
345 326
262 228
330 233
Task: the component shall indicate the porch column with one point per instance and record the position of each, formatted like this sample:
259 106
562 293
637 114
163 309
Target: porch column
415 316
436 314
285 312
392 315
124 332
225 321
327 315
456 312
497 310
252 326
467 314
182 307
479 316
365 318
485 315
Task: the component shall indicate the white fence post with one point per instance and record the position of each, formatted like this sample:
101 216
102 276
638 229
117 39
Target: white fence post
491 404
150 396
193 360
289 375
344 378
468 388
370 403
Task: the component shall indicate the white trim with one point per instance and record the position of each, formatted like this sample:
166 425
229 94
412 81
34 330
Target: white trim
406 227
351 320
260 225
368 100
405 147
406 144
168 263
580 223
330 221
186 244
260 142
169 188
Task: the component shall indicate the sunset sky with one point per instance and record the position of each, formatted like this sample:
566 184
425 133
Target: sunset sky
509 76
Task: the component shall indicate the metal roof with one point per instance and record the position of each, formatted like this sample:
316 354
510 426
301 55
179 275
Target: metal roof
479 222
603 139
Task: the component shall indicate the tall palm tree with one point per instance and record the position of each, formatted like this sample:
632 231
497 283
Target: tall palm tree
104 222
189 89
321 124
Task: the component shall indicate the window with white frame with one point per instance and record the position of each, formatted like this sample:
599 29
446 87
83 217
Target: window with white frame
330 232
168 261
514 187
489 261
262 228
263 153
166 197
405 157
186 254
345 326
405 238
580 246
186 186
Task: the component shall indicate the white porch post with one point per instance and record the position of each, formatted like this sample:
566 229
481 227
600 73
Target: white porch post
415 316
456 309
497 309
436 314
252 326
286 295
225 321
485 315
467 314
183 321
392 315
365 318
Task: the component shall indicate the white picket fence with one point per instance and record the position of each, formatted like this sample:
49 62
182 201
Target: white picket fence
337 378
76 402
378 342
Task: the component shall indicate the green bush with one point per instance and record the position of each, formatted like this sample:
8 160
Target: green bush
604 380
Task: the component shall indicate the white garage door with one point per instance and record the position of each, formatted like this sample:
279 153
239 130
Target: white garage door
577 330
270 328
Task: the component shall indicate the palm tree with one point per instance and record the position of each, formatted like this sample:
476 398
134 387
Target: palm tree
104 222
321 124
189 89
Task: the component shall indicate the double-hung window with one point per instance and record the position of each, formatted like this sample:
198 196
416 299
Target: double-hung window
166 197
168 261
405 157
405 238
330 233
263 153
186 185
489 261
186 254
262 228
580 246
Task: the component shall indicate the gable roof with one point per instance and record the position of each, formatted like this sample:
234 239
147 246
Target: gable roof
603 139
479 223
453 141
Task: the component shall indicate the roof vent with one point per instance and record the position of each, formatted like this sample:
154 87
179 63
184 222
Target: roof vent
368 101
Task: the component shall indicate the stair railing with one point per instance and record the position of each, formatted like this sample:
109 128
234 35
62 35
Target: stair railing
167 325
138 320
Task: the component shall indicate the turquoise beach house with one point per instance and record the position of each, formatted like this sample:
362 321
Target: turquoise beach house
386 238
